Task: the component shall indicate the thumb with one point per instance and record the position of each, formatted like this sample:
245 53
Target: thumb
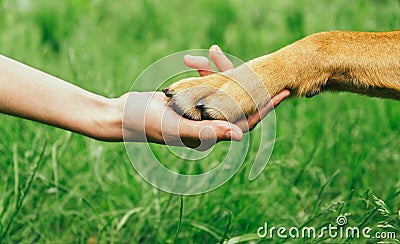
225 131
207 133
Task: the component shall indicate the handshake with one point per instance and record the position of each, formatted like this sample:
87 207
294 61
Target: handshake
199 112
173 125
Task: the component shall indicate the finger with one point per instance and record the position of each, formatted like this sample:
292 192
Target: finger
209 130
205 134
279 97
200 63
252 120
273 103
219 58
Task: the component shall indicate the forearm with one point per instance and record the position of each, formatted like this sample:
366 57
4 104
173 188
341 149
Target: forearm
363 62
31 94
359 62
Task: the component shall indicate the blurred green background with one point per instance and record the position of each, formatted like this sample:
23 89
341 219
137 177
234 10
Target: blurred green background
335 154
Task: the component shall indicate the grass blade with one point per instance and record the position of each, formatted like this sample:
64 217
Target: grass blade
25 191
180 220
227 228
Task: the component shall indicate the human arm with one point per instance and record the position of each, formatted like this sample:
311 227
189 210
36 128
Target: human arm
32 94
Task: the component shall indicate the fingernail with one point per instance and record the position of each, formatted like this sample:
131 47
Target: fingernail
189 57
234 135
228 134
216 48
237 135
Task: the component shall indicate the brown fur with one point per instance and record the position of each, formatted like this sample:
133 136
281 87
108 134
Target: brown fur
360 62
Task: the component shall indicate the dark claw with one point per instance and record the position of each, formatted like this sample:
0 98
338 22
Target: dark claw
167 92
200 104
311 94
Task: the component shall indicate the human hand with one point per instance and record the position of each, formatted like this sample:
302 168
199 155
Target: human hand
149 118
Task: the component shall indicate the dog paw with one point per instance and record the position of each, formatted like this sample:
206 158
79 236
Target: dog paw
230 96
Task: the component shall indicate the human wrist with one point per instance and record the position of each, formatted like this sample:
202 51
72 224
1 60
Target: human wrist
106 119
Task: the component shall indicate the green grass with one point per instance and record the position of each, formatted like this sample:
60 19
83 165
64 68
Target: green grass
333 153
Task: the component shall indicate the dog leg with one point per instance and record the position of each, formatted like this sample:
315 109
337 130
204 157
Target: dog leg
359 62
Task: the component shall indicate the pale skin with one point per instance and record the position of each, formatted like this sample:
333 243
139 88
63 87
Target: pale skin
31 94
